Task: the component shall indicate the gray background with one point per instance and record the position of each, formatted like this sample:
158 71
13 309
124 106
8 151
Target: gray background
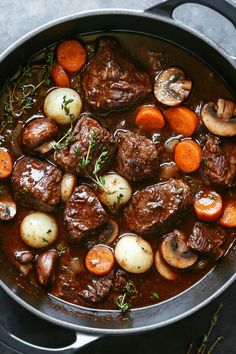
19 17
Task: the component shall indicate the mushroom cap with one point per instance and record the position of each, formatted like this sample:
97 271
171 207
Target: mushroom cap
163 269
171 88
176 252
109 233
214 122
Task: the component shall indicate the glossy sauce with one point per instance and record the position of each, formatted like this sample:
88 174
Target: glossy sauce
207 86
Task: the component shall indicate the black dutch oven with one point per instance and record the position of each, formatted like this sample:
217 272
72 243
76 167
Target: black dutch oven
90 324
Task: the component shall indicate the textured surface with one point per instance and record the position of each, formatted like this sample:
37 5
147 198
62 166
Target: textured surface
16 19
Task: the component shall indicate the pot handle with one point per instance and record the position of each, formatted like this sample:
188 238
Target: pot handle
224 8
22 347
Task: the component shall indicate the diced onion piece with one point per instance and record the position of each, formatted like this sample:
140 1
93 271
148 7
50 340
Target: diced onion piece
134 254
168 170
38 230
63 104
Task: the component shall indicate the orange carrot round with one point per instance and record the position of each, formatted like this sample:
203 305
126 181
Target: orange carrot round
100 260
182 120
208 207
228 216
150 119
60 76
188 156
5 163
71 55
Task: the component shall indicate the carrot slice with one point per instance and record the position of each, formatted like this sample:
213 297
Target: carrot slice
188 156
182 120
71 55
150 119
228 217
208 207
60 76
5 163
100 260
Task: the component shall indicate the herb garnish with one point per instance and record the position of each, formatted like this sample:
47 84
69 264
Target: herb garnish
49 231
22 89
61 250
130 292
44 240
155 296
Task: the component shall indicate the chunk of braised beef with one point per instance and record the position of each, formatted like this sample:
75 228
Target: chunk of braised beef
89 135
36 184
158 207
111 81
120 280
137 156
219 162
97 290
83 214
207 239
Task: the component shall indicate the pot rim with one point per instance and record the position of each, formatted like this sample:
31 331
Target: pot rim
118 331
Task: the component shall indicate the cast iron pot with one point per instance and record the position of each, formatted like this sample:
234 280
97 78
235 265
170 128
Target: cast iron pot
89 324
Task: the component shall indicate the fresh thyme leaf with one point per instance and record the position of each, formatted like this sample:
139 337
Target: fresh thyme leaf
44 240
100 161
77 150
118 199
212 196
121 304
155 296
64 141
49 231
130 289
61 250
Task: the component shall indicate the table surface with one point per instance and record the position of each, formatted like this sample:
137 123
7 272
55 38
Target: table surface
16 19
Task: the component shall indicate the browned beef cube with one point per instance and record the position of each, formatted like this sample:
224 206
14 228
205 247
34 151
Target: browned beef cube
97 290
36 184
137 156
83 214
89 135
219 162
207 239
111 81
154 208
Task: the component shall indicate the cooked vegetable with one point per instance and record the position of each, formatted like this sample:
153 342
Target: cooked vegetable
171 88
175 251
38 230
220 118
182 120
188 156
228 216
24 257
110 232
168 170
116 191
171 143
163 268
150 119
60 76
208 206
71 55
134 254
7 204
63 104
45 266
5 163
68 184
100 260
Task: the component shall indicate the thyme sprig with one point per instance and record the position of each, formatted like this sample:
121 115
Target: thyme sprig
22 89
130 292
203 346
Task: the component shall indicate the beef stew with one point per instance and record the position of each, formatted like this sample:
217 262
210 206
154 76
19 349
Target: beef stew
125 175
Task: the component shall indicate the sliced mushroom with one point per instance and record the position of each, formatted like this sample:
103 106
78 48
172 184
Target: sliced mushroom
37 132
220 118
7 205
175 251
24 257
46 267
110 232
171 87
163 268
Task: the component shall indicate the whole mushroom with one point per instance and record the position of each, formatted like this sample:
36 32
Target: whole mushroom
39 133
175 251
46 267
220 118
171 87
